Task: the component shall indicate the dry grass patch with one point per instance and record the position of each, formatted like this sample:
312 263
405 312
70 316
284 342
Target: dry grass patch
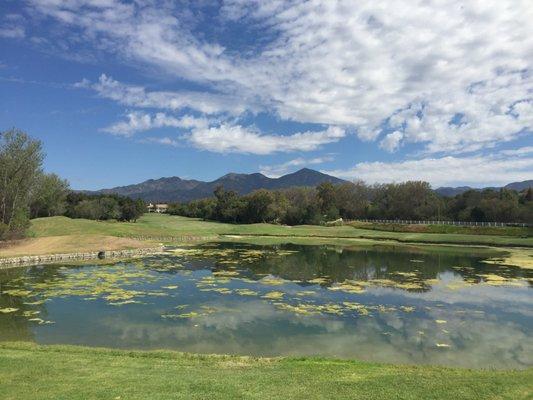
68 244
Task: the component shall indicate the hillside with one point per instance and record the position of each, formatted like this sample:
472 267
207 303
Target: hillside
454 191
177 189
520 185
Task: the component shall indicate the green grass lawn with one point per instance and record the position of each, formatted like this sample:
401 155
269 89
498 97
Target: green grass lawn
468 230
161 226
65 372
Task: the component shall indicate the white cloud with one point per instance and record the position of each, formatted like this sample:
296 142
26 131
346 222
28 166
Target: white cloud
12 32
138 122
227 138
391 142
278 170
454 76
518 152
12 26
495 169
138 96
166 141
223 137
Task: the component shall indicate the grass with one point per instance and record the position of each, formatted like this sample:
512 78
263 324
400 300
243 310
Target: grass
467 230
165 226
28 371
68 244
65 235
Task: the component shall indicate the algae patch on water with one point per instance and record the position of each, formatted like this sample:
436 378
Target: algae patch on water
275 295
521 258
8 310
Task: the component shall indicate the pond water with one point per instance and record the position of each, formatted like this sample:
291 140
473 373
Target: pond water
378 303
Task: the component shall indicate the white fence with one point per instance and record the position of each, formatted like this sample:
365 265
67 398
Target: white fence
456 223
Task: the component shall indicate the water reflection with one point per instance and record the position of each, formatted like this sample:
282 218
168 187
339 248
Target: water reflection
378 304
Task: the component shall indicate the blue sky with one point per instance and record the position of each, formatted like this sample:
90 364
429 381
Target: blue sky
120 92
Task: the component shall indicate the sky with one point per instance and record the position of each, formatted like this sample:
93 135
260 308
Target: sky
380 91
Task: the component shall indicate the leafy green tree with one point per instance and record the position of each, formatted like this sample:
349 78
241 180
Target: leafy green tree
49 196
258 207
529 194
228 205
303 207
21 158
353 199
88 209
477 214
326 196
108 208
131 210
413 200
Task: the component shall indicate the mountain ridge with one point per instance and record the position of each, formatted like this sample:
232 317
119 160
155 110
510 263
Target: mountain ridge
447 191
171 189
174 188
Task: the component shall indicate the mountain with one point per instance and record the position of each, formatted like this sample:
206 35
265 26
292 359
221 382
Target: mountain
454 191
520 185
176 189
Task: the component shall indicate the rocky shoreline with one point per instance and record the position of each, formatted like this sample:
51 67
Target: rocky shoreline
13 262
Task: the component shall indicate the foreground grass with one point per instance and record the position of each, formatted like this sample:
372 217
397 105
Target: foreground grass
166 226
66 372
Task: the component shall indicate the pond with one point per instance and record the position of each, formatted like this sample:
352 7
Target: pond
378 303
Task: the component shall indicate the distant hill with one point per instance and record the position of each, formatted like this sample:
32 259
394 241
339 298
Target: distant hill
454 191
520 185
177 189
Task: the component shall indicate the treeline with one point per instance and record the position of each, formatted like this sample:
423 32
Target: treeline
27 192
412 200
103 207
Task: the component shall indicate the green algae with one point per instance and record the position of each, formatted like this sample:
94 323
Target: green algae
306 293
30 313
272 281
17 292
246 292
274 295
111 283
230 256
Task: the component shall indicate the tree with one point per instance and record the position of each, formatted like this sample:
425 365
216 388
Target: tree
88 209
108 208
228 205
326 196
477 214
49 196
131 210
353 199
258 207
408 200
20 164
303 207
